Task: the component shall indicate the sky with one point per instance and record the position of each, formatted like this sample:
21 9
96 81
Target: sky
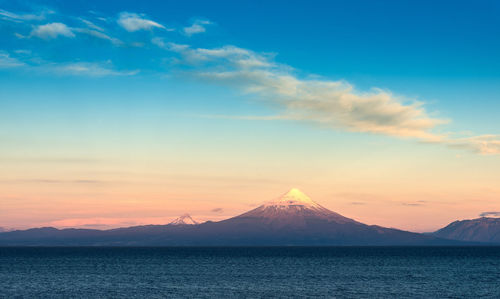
120 113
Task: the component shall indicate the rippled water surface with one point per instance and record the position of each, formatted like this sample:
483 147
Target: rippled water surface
373 272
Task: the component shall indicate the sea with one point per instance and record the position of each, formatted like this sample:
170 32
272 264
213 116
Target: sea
250 272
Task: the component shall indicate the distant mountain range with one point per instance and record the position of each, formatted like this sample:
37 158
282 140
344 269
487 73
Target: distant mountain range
484 229
292 219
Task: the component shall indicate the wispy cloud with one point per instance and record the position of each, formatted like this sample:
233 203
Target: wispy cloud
217 210
52 30
98 34
483 144
20 17
197 26
160 42
334 104
486 214
22 52
412 204
91 25
88 69
6 61
91 69
135 22
327 103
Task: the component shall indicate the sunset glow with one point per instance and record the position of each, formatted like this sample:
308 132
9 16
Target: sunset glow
122 115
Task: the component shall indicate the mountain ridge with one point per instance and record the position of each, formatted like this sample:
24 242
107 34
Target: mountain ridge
483 229
292 219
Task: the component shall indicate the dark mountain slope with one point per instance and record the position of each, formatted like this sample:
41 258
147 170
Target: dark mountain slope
483 229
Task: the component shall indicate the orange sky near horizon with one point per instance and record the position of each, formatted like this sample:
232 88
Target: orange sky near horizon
411 193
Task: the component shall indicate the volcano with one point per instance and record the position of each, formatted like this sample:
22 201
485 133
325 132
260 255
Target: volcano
292 219
295 219
292 209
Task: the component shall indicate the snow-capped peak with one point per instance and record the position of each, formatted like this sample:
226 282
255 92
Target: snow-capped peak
293 208
184 220
294 197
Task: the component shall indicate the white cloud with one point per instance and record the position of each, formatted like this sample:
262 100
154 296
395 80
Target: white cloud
23 52
177 47
230 56
198 26
19 35
9 62
99 34
483 144
328 103
87 69
52 30
134 22
7 15
160 42
91 69
91 25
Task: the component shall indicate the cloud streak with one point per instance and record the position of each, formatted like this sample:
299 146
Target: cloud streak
333 104
20 17
6 61
91 24
99 34
486 214
198 26
483 144
88 69
91 69
134 22
327 103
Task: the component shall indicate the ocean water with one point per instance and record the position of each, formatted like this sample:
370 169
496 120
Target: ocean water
234 272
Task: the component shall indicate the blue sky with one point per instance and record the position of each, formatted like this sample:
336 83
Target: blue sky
445 54
250 88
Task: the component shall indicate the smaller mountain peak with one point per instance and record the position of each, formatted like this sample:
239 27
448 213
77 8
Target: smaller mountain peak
184 219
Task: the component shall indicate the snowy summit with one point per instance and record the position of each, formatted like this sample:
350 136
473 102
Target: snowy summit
294 197
293 208
184 220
